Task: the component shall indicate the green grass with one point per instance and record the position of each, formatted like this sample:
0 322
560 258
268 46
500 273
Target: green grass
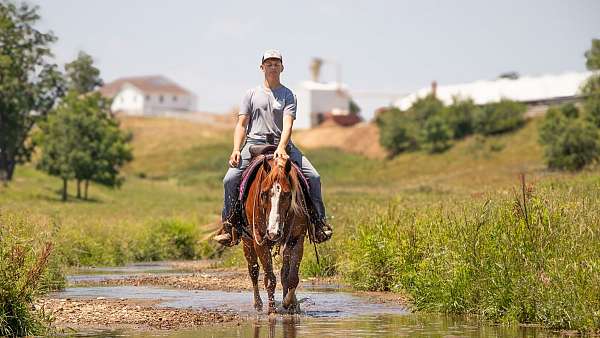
172 197
529 258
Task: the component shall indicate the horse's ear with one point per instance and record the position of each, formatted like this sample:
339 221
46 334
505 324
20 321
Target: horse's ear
288 166
266 165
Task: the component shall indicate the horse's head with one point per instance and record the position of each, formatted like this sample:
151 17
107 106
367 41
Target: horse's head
278 194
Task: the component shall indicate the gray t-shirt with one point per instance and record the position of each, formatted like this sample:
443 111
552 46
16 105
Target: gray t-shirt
266 109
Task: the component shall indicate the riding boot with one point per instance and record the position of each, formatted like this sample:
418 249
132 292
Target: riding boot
323 231
226 236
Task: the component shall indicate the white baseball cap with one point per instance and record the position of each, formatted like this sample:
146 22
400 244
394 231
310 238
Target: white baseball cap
271 54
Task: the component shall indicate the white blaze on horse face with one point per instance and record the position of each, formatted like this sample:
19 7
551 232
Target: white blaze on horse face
273 227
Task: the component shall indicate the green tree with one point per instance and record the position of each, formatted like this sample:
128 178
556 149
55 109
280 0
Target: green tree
592 56
570 142
82 140
500 117
424 108
29 83
81 74
592 86
460 116
59 139
83 77
397 131
437 134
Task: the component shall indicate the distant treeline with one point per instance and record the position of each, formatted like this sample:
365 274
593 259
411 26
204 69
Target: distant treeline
570 133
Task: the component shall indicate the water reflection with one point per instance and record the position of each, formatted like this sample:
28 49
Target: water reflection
367 326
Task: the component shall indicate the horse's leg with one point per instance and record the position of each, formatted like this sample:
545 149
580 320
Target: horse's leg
253 268
285 269
264 254
296 251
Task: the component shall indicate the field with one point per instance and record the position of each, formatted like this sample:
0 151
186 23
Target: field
170 204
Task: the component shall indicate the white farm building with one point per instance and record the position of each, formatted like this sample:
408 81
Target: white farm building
533 90
148 96
316 99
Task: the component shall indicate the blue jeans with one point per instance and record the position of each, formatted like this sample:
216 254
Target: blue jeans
233 177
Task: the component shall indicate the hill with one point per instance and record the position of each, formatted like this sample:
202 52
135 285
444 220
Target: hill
176 178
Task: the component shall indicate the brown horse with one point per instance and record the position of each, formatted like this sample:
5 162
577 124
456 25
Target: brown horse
274 210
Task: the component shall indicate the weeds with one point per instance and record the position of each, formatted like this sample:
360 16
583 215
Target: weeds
532 259
27 270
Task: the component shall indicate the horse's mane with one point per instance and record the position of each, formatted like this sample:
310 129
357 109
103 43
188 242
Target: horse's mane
277 173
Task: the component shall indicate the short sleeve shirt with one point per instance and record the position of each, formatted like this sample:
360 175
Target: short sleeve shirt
266 109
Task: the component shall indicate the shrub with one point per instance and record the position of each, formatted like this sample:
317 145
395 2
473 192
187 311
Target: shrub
503 116
425 108
437 134
460 116
169 239
397 132
570 142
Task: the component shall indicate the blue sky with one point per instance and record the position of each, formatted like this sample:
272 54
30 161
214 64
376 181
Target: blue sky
213 48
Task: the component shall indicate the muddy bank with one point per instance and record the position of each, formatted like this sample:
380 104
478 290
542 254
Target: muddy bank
231 279
144 315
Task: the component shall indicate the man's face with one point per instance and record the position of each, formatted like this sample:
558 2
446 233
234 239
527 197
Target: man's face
272 66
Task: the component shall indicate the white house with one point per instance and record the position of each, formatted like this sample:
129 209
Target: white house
148 96
528 89
316 99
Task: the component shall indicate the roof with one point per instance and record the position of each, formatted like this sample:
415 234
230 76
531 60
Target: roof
523 89
344 120
329 86
154 84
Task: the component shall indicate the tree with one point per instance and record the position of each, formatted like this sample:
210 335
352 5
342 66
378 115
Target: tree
58 139
83 77
591 87
460 115
29 83
500 117
437 134
397 131
570 142
82 140
81 74
592 56
424 108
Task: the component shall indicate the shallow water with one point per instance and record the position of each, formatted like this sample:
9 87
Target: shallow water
330 314
327 311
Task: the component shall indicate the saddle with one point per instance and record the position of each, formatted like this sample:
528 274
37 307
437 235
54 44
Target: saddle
260 153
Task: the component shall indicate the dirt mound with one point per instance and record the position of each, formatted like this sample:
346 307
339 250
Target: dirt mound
362 138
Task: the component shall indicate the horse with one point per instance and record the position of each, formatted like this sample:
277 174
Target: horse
274 213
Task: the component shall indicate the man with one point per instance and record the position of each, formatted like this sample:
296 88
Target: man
267 113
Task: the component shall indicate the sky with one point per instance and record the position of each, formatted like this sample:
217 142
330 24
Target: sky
384 48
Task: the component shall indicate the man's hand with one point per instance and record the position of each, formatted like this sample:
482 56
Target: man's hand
234 159
281 153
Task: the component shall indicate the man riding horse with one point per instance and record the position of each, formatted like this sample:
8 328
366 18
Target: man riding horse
266 116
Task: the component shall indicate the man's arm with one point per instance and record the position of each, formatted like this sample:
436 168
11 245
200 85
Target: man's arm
286 134
239 134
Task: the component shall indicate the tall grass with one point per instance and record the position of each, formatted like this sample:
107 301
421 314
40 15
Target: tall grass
530 258
27 270
103 244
